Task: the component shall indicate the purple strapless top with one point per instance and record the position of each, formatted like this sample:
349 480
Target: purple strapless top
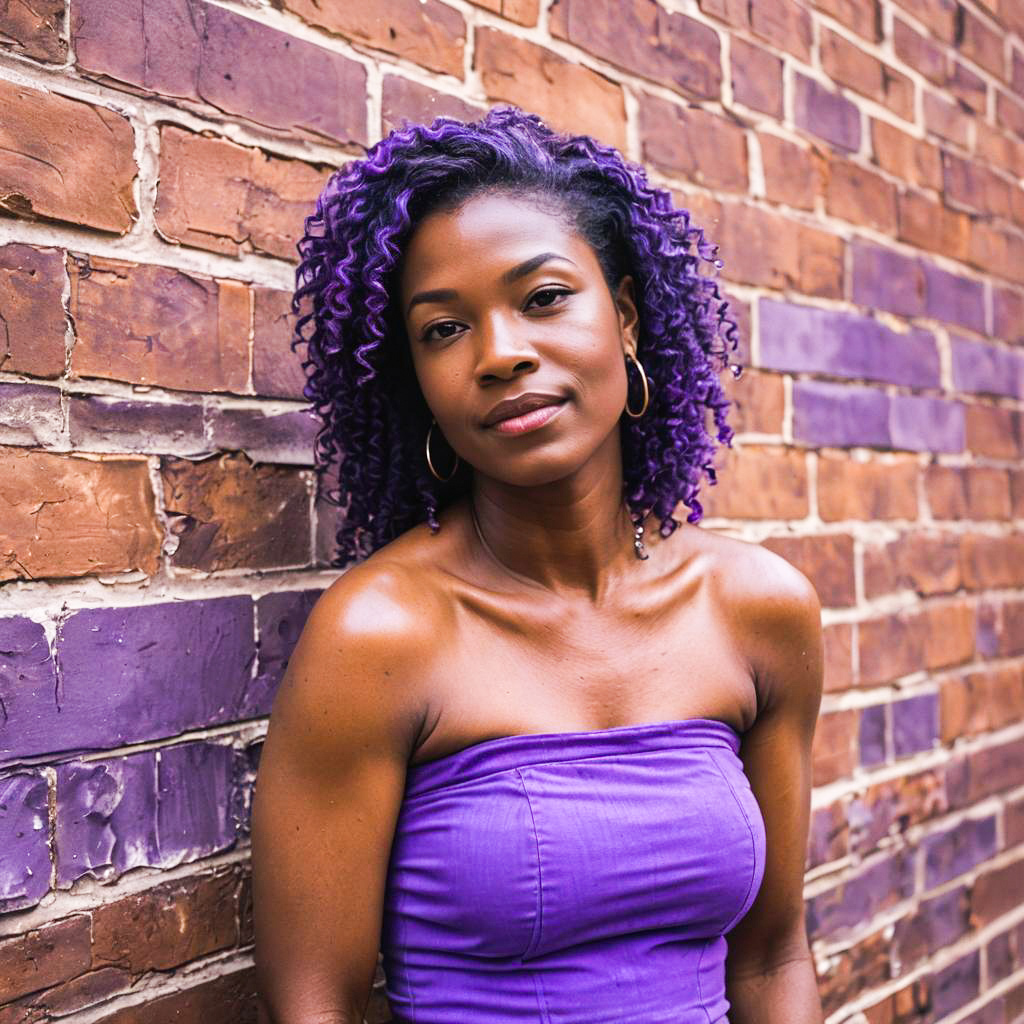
572 878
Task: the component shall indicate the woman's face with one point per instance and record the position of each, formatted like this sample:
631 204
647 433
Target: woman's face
503 300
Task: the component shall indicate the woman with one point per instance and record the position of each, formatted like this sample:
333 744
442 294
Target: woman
540 754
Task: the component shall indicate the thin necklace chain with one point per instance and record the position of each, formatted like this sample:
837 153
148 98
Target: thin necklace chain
638 543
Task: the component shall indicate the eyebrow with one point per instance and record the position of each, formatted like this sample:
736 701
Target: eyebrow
517 272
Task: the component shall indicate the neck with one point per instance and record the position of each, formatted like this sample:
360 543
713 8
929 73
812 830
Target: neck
571 536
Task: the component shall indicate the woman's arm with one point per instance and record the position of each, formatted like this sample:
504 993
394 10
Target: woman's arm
327 798
770 976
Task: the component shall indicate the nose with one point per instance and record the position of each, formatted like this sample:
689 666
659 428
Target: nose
503 350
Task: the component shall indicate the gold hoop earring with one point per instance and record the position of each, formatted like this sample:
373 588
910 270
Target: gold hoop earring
430 462
647 393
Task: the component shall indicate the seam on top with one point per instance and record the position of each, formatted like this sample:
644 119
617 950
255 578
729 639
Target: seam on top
700 993
561 760
538 924
753 845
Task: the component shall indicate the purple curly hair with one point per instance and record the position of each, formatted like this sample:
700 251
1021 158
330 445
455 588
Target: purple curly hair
360 378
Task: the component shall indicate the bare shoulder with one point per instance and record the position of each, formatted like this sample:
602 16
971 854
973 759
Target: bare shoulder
366 650
776 614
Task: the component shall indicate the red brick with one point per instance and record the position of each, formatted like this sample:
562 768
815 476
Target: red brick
793 174
970 492
862 966
231 63
77 994
231 199
997 892
834 749
860 196
66 516
31 310
522 12
994 146
891 646
644 39
914 160
866 490
759 482
424 32
945 119
925 561
994 431
838 656
756 77
405 100
43 957
992 561
861 16
851 66
929 225
938 16
949 634
1007 313
996 251
921 53
32 28
277 369
702 147
167 925
229 997
973 185
230 514
1010 113
515 71
896 805
733 12
58 163
760 247
981 43
154 325
785 24
969 88
757 401
826 560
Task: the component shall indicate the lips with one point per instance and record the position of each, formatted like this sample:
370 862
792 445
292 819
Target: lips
525 403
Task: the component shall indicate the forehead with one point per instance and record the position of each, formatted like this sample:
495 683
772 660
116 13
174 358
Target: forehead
488 233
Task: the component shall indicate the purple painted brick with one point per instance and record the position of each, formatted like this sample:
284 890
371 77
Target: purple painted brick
861 896
194 816
915 724
922 424
199 51
955 985
106 817
954 299
132 674
280 437
97 421
826 114
24 851
936 923
27 682
280 618
871 737
883 279
29 414
957 850
999 953
844 345
839 414
988 630
987 369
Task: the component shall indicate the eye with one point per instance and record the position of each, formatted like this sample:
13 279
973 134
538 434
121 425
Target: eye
445 329
546 297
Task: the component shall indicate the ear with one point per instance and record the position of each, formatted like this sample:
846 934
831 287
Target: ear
625 304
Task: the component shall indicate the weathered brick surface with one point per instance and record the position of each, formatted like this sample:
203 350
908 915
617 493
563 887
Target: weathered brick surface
154 325
66 516
230 199
857 164
196 51
31 314
646 40
65 160
515 71
226 514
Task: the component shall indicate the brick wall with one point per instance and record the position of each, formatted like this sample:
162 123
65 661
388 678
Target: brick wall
859 163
